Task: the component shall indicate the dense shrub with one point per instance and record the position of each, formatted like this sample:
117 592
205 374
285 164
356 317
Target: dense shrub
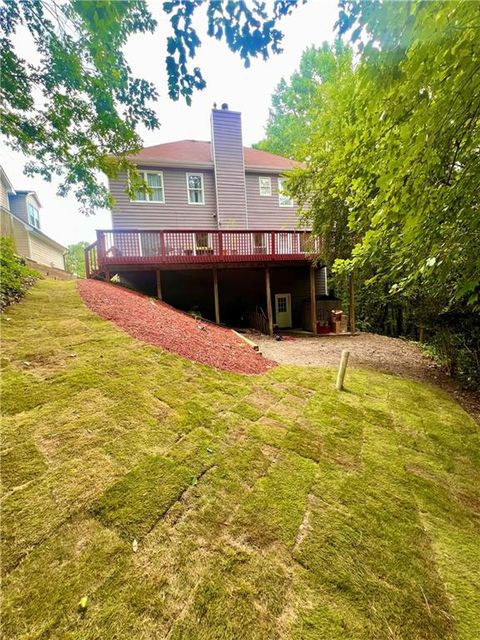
454 342
15 276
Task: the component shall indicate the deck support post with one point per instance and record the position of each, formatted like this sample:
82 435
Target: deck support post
107 275
159 284
313 301
351 305
215 296
268 292
87 263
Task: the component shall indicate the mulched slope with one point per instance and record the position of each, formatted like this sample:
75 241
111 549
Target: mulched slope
163 326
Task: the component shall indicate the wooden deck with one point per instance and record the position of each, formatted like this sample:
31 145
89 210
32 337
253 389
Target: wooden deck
161 248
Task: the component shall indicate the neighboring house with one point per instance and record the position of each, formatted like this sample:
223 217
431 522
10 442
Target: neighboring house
215 234
20 217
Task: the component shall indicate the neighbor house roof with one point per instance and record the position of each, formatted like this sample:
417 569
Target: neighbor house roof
199 152
28 192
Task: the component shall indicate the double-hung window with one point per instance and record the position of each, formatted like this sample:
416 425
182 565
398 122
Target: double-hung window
283 199
265 186
154 180
195 188
33 216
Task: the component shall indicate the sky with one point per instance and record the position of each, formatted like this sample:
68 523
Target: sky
246 90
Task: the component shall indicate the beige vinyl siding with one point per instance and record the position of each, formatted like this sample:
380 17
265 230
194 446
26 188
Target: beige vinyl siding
264 212
13 228
20 237
44 253
6 223
175 213
4 195
229 169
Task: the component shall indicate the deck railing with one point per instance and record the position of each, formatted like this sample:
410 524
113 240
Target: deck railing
133 247
91 259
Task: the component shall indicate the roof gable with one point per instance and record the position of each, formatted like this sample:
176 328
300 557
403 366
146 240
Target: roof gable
25 194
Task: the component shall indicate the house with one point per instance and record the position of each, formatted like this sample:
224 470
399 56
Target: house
215 234
20 220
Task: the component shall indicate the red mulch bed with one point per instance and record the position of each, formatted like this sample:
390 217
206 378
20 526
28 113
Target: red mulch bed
160 324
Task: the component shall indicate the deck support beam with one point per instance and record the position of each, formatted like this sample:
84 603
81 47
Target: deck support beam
313 301
268 293
215 296
351 305
159 284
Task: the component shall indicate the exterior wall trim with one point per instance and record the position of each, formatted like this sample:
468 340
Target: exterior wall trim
244 177
212 147
171 163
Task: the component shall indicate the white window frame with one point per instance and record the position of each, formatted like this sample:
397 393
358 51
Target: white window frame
281 195
36 216
147 195
260 186
195 173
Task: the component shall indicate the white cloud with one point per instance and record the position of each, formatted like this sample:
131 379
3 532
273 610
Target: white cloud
245 90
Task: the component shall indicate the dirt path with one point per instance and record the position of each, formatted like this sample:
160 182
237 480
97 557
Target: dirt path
367 350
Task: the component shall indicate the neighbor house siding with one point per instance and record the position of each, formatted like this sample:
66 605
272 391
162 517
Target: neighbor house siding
13 228
44 253
229 169
264 212
18 206
20 237
175 213
4 195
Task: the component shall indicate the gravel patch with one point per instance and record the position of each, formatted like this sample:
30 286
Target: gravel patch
367 350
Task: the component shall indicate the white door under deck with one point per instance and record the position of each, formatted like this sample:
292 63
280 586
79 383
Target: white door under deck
283 310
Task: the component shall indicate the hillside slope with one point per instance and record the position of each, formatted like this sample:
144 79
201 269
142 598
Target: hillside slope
263 506
162 325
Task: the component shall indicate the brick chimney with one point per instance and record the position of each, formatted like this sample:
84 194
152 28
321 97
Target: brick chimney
227 151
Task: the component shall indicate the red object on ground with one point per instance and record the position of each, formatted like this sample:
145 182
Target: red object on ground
160 324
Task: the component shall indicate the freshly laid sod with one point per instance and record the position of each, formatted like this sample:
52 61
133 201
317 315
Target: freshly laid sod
263 506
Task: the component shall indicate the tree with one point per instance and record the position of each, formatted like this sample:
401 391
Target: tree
321 85
400 148
75 110
295 102
75 258
393 171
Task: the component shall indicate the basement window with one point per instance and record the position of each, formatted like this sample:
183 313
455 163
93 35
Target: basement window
154 180
195 188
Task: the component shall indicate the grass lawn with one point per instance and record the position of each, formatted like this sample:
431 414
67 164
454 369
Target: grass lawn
263 506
